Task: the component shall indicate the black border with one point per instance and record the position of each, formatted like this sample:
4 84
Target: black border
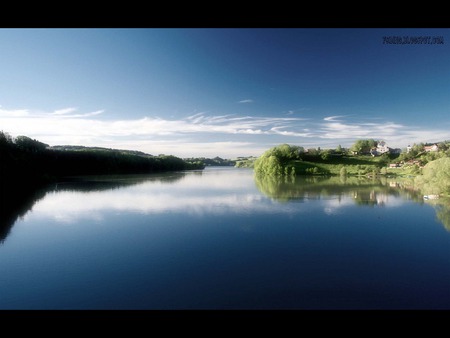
225 14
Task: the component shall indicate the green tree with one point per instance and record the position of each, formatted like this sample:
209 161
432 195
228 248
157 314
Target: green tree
313 151
363 146
28 144
375 170
443 146
5 138
384 159
277 160
435 178
416 149
325 154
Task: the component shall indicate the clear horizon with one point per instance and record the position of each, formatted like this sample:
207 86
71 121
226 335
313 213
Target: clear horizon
224 92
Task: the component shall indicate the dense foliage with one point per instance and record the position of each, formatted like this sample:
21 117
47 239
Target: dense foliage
216 161
277 160
363 146
245 162
435 178
293 160
30 159
417 152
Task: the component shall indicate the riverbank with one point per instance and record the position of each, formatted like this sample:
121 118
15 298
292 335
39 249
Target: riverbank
344 165
25 159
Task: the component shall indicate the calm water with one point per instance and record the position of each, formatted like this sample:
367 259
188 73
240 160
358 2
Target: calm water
219 239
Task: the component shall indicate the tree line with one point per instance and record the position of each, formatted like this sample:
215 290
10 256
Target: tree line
30 159
216 161
432 177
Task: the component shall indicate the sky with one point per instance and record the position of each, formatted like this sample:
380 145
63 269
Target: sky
228 92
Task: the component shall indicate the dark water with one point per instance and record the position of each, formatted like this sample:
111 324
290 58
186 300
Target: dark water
219 239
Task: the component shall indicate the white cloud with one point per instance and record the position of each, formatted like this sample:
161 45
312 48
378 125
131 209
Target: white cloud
67 112
14 113
332 118
186 148
64 111
94 113
246 101
201 134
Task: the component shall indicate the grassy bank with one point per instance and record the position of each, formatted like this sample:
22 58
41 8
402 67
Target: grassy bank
293 161
354 165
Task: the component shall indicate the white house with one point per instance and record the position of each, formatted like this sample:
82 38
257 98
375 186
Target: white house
433 147
382 148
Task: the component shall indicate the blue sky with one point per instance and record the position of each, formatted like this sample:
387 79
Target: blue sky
223 92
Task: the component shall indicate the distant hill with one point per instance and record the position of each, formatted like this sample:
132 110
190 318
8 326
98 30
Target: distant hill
83 148
216 161
28 160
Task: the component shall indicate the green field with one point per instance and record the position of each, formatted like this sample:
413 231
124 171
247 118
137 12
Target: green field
354 165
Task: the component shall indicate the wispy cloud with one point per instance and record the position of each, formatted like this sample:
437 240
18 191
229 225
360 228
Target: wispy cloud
246 101
333 118
204 134
67 112
397 135
94 113
64 111
13 112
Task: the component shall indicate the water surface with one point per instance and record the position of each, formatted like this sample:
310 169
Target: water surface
221 239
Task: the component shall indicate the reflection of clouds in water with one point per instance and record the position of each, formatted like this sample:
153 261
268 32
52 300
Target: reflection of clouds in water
331 211
68 207
218 179
71 206
210 192
335 206
67 218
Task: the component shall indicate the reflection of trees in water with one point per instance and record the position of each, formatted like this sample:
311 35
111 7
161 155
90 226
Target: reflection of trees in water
112 182
365 197
442 207
363 191
18 197
443 214
435 180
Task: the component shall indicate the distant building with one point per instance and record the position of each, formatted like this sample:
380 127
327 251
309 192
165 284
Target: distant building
413 162
408 148
382 148
433 147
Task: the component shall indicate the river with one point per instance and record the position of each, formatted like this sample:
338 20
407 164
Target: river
222 239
